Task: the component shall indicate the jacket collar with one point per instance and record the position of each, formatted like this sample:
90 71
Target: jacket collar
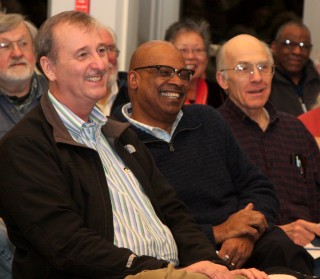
112 129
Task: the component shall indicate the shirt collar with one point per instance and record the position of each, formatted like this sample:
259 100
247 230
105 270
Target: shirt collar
155 131
75 124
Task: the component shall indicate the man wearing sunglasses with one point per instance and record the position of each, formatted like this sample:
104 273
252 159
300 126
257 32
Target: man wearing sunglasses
296 83
231 200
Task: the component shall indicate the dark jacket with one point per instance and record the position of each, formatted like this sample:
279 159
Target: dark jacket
284 96
208 169
55 201
122 96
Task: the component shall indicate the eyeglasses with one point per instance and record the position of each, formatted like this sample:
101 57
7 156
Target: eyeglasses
112 50
291 45
247 69
8 45
194 51
167 72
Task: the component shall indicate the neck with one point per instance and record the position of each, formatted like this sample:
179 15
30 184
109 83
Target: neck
16 89
260 116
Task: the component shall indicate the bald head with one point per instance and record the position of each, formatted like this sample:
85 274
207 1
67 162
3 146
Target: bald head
154 53
241 44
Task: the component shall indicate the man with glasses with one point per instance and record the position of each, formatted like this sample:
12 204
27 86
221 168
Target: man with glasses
296 83
20 86
117 88
20 91
277 142
193 147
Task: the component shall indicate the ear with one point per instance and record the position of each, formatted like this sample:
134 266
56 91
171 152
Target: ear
222 81
132 80
47 68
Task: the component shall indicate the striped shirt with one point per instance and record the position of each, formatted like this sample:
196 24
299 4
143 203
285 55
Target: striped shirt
136 225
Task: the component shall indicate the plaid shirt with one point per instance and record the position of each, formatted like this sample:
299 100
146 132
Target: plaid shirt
288 154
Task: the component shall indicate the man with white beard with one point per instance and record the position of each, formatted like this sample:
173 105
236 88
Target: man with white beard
20 86
117 87
20 91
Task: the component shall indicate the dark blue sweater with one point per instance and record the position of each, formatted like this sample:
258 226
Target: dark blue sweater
208 169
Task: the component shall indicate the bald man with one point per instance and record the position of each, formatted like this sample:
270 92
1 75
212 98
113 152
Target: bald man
277 142
193 147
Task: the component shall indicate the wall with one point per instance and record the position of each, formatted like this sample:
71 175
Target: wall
134 21
312 19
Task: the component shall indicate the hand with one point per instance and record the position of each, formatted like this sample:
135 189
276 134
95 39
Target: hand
301 232
238 250
244 222
212 270
250 273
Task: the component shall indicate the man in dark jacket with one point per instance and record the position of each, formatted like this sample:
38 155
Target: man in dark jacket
296 82
195 150
79 193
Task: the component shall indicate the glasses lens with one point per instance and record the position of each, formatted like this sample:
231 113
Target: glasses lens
292 45
244 69
165 72
185 74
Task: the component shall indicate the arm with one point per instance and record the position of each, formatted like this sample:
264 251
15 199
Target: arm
42 209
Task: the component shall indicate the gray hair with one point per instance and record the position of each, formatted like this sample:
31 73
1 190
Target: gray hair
11 21
189 25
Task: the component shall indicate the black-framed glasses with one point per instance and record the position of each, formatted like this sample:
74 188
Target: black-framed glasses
112 50
167 72
291 45
247 69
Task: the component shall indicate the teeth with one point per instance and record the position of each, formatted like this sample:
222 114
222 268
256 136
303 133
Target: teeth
190 67
170 95
94 78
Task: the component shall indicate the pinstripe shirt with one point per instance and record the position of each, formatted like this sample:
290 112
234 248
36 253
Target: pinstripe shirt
136 225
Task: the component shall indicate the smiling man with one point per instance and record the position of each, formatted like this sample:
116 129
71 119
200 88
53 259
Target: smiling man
231 200
296 83
276 142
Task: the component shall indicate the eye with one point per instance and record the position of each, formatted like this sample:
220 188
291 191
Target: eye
23 44
82 55
243 68
4 45
184 75
263 67
183 51
165 72
102 50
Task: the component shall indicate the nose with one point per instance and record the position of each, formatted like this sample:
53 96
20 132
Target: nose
255 75
16 50
297 50
100 62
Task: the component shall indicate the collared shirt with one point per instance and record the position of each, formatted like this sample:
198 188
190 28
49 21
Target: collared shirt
155 131
106 107
11 113
287 154
136 225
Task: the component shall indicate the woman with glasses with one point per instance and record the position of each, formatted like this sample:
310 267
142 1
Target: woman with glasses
193 41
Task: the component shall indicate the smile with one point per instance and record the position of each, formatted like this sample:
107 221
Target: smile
170 95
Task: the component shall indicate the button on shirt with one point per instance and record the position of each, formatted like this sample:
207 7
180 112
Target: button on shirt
136 225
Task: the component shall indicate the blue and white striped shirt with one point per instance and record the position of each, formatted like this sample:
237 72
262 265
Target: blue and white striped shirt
136 225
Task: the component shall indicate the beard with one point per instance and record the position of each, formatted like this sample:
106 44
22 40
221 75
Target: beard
18 73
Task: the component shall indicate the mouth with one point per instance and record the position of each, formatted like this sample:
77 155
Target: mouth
256 91
172 95
94 78
191 66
